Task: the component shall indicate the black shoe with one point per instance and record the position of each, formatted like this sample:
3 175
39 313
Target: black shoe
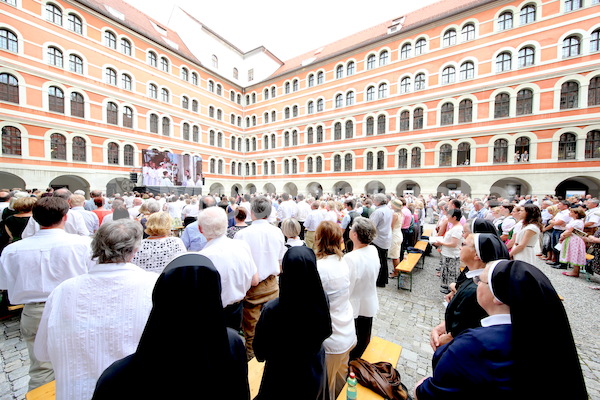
379 285
445 291
559 266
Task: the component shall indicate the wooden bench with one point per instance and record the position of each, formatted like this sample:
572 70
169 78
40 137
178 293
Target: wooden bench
406 267
377 350
255 373
14 307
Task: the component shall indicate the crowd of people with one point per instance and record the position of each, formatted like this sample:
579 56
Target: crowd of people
100 279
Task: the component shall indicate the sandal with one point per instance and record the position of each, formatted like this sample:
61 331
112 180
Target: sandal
571 275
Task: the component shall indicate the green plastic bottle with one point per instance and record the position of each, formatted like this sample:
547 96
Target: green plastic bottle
351 393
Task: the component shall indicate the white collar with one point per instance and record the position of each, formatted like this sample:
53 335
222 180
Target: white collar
476 272
497 319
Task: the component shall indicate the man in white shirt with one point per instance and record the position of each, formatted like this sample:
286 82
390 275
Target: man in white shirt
74 224
559 223
287 208
134 211
95 319
166 180
91 219
314 218
303 210
32 267
592 216
233 260
382 218
246 204
267 246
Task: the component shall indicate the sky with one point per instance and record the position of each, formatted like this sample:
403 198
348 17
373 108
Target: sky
286 29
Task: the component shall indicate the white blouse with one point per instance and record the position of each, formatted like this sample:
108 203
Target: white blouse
364 269
155 254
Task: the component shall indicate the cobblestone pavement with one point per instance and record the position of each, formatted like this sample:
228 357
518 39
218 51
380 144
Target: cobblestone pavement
404 317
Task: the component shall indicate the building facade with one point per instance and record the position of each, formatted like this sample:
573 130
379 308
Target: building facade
480 96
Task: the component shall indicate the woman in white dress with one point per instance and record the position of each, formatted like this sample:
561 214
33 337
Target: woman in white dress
528 238
394 251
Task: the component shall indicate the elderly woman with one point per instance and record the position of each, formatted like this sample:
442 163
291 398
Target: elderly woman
450 250
16 223
240 222
363 263
335 277
94 319
501 360
147 208
160 247
291 230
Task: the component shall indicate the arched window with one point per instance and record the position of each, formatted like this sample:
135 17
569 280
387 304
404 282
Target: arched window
77 105
286 139
448 75
382 91
185 102
337 163
319 167
567 147
595 41
211 114
309 136
449 38
153 91
212 166
339 72
527 14
404 121
592 144
110 77
319 134
53 14
447 114
465 111
348 162
381 125
370 161
503 62
112 113
165 95
339 101
286 167
415 158
572 5
371 61
525 102
254 143
467 71
500 151
273 92
75 24
233 166
418 118
310 109
383 58
195 105
79 149
405 51
55 57
420 46
463 155
380 160
420 81
185 75
350 98
9 88
320 78
219 89
311 80
526 57
571 46
8 41
294 138
126 82
445 155
467 32
125 47
505 21
194 78
58 147
220 166
294 111
56 100
405 85
370 126
349 129
350 68
501 105
215 61
152 59
569 95
593 91
337 131
522 148
186 132
128 155
402 158
211 138
309 165
371 93
320 105
153 123
273 171
273 141
11 141
110 40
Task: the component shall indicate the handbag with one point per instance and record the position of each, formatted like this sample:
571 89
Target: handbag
381 377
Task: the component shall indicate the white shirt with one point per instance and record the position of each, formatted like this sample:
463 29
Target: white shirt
155 254
364 268
562 216
233 259
455 232
287 209
91 321
314 218
247 207
31 268
91 219
303 210
267 246
335 277
593 215
382 218
75 224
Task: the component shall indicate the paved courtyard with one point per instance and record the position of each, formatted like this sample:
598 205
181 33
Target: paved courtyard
404 317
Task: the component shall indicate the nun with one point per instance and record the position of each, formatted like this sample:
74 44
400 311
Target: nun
186 349
295 355
524 349
463 312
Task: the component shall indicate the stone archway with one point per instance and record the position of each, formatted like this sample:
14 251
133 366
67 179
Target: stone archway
236 190
11 181
578 185
314 189
269 188
454 186
341 187
216 188
291 189
406 187
374 187
508 188
250 188
74 182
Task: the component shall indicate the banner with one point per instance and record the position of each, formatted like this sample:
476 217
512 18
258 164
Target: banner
162 168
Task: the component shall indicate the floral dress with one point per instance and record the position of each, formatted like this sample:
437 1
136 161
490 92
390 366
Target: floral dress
573 247
593 266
